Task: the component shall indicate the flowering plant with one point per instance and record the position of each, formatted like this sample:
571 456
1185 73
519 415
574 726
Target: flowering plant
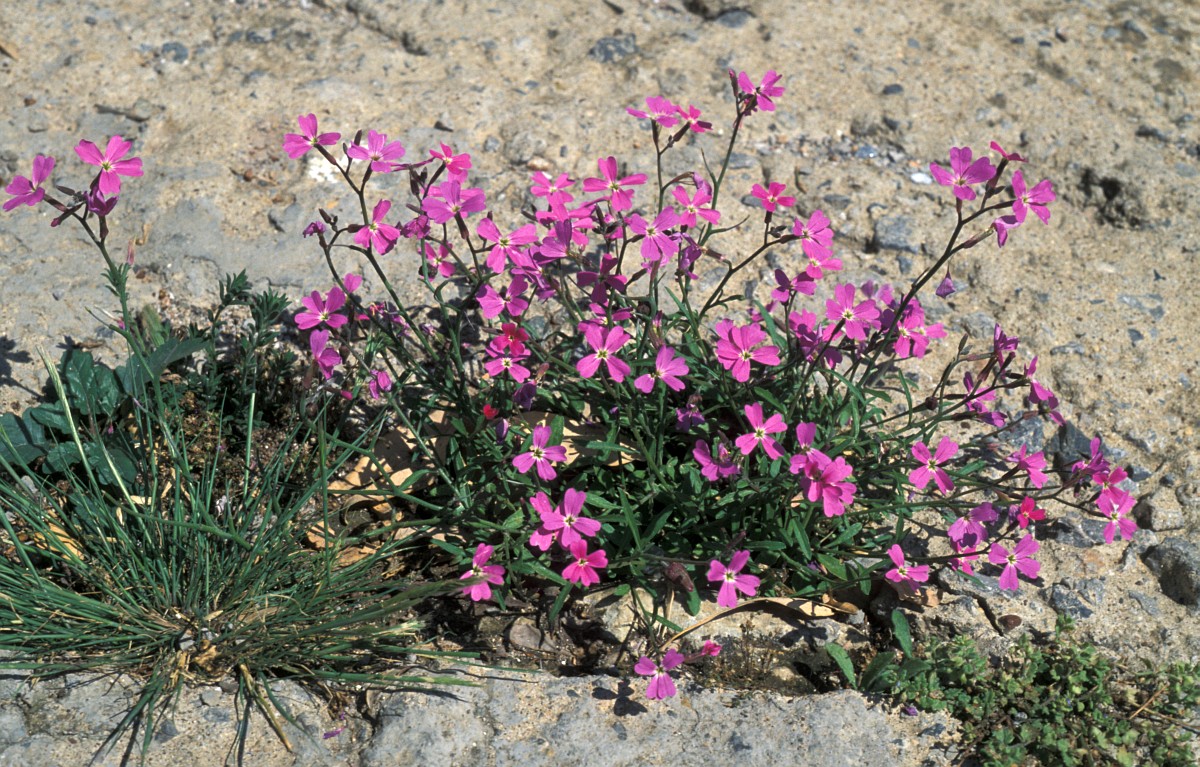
787 438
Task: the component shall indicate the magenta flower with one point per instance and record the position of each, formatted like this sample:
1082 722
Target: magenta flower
931 465
619 197
765 91
512 300
449 200
1026 512
506 247
457 165
322 310
1032 465
968 531
731 579
379 382
604 346
806 434
717 463
761 431
823 480
661 684
325 356
1031 199
297 144
377 234
773 197
657 245
667 368
28 191
912 335
1002 225
816 238
112 167
690 208
554 191
688 416
378 151
541 455
735 350
1019 560
1010 156
691 116
963 173
1116 508
583 569
855 320
506 360
660 111
492 575
903 572
563 521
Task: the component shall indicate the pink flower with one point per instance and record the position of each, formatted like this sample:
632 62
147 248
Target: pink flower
855 320
604 346
378 383
1019 560
28 191
1026 512
763 94
816 238
325 356
912 335
505 249
512 338
1031 199
457 165
437 256
1002 225
377 234
322 310
619 197
583 569
661 684
449 200
931 465
563 521
968 531
773 197
505 359
903 572
660 111
297 144
823 480
541 455
512 300
761 431
1032 465
1010 156
1116 508
717 463
691 116
554 191
657 245
667 368
806 433
731 579
492 575
690 207
735 350
112 167
378 152
963 173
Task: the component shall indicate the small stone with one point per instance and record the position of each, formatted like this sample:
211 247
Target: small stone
1159 511
175 51
893 89
921 177
866 152
1176 564
892 233
608 50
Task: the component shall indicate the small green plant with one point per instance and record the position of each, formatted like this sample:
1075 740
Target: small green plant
1062 703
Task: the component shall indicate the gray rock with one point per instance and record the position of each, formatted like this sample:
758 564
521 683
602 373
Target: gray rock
1176 564
1159 511
893 233
609 50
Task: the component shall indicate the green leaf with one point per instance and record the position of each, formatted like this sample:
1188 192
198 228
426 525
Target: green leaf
91 386
842 659
514 520
903 632
693 603
133 374
23 439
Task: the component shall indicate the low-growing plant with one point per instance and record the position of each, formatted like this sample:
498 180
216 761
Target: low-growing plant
1058 703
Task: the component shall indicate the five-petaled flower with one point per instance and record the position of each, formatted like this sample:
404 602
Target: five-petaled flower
1116 508
855 319
903 572
661 684
1034 199
735 350
541 455
761 96
28 191
667 368
112 167
378 234
1020 559
297 144
322 310
604 346
378 151
583 567
931 465
563 522
773 197
963 173
491 575
732 579
761 431
618 196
